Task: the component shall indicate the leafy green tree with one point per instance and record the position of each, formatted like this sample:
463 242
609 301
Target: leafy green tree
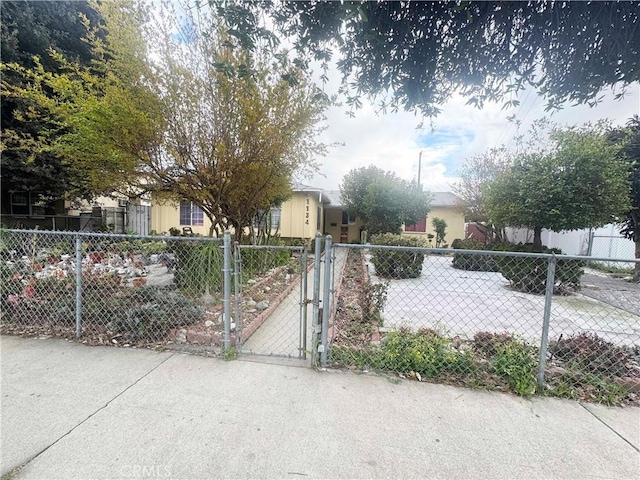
86 125
382 200
32 30
238 128
628 138
415 55
579 182
440 227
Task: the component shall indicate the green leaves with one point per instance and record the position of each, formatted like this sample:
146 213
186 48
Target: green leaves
382 200
578 183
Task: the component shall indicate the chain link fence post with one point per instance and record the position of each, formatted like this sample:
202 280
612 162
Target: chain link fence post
237 276
226 301
548 300
78 286
303 304
316 297
326 299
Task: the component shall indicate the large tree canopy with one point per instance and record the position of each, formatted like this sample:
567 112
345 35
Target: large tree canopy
579 181
628 138
383 200
84 117
415 55
232 144
32 30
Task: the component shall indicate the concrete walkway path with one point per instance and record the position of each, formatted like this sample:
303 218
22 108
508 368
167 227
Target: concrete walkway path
279 335
74 412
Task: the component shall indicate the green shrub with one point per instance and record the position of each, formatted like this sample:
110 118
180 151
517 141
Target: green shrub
397 263
257 261
529 274
474 262
516 363
198 266
373 296
425 352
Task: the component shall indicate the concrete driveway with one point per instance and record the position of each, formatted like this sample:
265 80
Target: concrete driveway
464 302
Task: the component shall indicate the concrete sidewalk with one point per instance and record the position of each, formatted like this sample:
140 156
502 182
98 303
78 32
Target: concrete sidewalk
71 411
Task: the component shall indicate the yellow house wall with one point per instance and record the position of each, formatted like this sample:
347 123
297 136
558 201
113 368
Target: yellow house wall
455 224
299 216
334 215
167 215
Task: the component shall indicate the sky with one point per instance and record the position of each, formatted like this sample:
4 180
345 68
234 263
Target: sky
393 142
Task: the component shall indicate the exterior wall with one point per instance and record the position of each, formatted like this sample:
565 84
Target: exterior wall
299 216
167 215
334 226
294 222
607 241
455 224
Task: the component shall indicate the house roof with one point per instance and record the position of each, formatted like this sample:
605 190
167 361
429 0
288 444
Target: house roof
445 199
333 197
301 187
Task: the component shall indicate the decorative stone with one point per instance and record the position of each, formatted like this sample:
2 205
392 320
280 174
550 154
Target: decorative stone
252 310
251 281
262 305
209 324
267 289
251 303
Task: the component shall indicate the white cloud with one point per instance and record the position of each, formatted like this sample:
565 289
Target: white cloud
392 142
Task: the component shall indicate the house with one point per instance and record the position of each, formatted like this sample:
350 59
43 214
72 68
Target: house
299 217
444 205
342 227
118 214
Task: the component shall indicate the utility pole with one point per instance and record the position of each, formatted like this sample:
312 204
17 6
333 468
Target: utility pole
419 166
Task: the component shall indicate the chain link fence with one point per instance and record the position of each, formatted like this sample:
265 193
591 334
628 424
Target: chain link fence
515 321
116 289
270 307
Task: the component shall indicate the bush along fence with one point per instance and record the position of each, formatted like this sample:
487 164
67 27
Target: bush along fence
515 321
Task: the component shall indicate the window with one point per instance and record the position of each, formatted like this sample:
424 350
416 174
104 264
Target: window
347 219
260 220
276 213
27 203
421 226
191 214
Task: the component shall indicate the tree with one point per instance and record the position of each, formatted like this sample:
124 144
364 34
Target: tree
414 55
440 227
580 182
382 200
86 125
28 30
237 129
475 174
628 139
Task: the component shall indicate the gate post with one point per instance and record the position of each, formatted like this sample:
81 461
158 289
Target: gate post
302 350
78 286
324 346
316 298
237 283
548 299
226 300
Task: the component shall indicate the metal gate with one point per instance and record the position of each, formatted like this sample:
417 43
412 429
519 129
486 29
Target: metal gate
270 309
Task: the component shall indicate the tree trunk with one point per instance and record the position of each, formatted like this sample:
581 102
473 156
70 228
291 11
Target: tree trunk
537 239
